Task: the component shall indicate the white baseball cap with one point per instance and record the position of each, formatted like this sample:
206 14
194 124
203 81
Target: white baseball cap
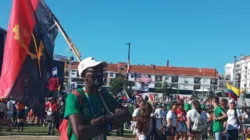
89 62
231 101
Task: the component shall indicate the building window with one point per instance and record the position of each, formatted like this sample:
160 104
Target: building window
73 70
111 74
228 77
174 85
166 78
66 73
197 87
186 81
214 81
137 75
122 68
149 76
175 79
132 75
197 80
158 78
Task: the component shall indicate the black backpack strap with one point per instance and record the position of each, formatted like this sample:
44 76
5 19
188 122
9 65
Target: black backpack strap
235 114
101 94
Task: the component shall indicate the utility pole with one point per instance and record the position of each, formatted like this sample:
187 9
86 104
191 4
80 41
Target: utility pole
203 95
128 66
234 74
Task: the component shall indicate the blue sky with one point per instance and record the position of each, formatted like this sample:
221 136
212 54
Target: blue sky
192 33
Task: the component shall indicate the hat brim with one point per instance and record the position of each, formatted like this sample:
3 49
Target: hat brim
101 63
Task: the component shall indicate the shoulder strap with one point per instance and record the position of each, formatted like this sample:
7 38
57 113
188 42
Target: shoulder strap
236 116
78 95
104 103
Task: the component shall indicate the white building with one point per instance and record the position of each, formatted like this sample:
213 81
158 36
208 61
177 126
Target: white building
180 78
242 72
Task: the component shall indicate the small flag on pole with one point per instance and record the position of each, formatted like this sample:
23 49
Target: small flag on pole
125 94
233 92
54 71
151 98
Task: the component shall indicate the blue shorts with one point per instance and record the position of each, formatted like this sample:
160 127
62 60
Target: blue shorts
182 127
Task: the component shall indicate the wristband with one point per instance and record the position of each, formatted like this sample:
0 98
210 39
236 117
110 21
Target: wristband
109 127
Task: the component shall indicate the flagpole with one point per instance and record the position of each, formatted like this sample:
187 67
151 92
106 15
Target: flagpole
68 40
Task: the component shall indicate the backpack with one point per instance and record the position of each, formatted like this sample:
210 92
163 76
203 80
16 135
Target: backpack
154 133
198 122
63 129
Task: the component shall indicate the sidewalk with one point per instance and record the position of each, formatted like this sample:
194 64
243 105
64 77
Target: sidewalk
20 137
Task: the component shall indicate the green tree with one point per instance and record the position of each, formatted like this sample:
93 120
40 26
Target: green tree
166 89
195 95
116 85
223 93
210 95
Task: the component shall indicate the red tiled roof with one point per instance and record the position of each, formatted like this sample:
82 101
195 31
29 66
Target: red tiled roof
161 70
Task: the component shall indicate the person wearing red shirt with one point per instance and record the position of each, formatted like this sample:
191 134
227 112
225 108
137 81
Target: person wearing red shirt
181 119
52 116
20 116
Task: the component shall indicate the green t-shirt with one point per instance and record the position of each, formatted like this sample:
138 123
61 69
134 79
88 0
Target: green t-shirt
187 107
131 108
73 107
218 125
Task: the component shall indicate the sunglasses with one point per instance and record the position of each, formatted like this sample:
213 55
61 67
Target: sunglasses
96 70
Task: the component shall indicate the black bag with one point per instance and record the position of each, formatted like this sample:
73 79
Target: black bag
236 116
154 133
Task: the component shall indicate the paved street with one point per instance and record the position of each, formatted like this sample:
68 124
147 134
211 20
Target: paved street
49 138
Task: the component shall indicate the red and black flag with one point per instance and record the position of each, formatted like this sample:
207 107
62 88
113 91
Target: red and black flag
28 53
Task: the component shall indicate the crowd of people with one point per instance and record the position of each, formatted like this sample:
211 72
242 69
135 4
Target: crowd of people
14 114
188 119
92 114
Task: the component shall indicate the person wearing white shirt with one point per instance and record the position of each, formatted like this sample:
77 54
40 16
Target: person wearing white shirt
10 111
192 115
172 122
135 115
233 121
160 115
